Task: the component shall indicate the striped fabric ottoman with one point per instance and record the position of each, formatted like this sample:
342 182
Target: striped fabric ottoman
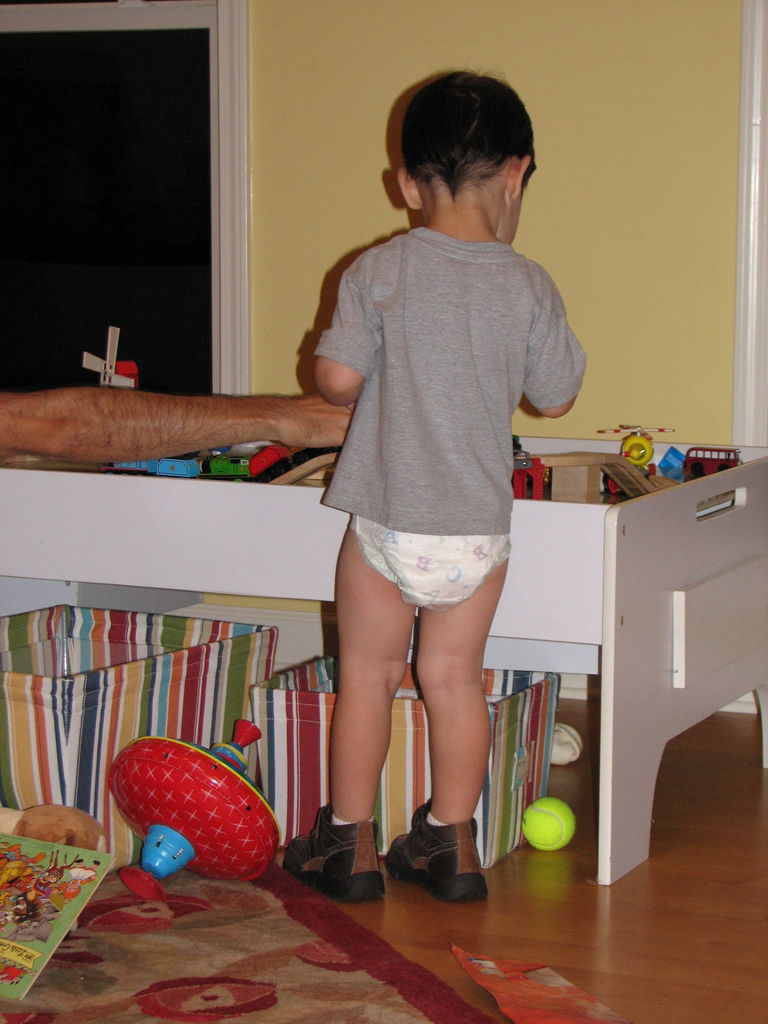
293 709
78 684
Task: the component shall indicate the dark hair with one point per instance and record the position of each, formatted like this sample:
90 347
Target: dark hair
461 128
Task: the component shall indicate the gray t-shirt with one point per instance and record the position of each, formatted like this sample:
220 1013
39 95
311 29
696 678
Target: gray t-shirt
448 335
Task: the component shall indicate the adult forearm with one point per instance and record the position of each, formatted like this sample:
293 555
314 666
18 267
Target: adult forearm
99 424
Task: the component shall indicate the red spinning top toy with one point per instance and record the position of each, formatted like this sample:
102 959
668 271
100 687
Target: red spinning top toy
194 808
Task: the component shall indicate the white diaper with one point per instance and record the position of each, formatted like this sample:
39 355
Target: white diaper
431 572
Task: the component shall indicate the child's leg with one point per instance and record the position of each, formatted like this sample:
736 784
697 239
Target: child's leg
449 667
441 855
374 636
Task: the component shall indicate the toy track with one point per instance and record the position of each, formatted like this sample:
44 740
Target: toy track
315 459
628 478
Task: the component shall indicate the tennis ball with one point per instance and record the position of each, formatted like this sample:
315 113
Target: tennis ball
548 823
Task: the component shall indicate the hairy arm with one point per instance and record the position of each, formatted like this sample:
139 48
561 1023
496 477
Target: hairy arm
94 424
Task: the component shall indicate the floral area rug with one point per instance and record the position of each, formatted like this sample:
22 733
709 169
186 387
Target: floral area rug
221 951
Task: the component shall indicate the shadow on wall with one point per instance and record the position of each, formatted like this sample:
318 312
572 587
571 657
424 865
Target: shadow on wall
330 286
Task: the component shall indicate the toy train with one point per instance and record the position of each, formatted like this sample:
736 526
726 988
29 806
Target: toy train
272 463
246 467
704 461
182 466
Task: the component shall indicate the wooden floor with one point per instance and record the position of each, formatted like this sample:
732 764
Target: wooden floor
682 939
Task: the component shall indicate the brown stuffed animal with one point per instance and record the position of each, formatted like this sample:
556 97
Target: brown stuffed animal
54 824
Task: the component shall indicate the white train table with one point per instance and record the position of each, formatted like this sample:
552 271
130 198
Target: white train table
666 595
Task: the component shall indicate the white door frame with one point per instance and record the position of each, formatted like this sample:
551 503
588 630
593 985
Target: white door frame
750 354
227 22
234 195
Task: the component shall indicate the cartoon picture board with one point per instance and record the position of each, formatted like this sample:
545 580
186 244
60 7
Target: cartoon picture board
43 888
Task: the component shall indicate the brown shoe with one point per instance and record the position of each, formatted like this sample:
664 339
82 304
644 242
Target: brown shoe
441 858
341 861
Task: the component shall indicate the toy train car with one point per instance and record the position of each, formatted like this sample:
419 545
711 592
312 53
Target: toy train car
245 467
704 461
182 466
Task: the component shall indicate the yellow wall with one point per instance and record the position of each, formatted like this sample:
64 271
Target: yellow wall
633 209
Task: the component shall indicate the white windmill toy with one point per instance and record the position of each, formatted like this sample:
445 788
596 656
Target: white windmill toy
107 368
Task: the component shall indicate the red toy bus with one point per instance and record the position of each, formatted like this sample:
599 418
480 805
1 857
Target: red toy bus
703 461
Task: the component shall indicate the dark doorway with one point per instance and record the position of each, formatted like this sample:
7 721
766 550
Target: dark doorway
105 205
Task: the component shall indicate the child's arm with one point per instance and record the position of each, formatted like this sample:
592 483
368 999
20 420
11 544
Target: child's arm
337 383
554 411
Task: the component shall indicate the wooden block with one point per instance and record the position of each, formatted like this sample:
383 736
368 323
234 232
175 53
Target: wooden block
576 483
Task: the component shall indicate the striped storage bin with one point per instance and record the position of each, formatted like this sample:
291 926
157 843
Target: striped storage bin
78 684
293 709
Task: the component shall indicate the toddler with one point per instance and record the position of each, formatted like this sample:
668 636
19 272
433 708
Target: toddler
436 336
